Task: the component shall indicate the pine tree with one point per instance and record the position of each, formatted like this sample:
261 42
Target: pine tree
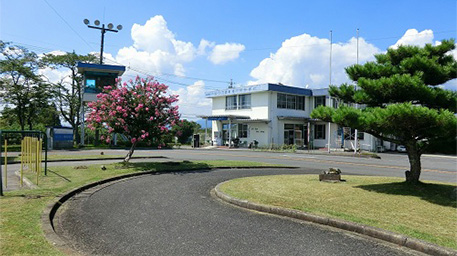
402 100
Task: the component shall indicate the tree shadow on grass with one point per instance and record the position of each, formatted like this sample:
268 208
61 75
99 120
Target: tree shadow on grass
9 159
439 194
167 167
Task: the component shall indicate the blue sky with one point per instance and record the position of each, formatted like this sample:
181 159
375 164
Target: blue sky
247 41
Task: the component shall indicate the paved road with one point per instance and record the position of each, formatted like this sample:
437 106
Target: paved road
174 214
434 167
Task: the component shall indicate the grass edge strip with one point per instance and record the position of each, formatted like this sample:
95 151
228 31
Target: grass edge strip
388 236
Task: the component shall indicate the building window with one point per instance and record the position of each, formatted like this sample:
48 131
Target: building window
335 102
319 132
360 135
282 102
301 103
243 131
288 101
238 102
294 134
245 101
230 102
319 101
349 134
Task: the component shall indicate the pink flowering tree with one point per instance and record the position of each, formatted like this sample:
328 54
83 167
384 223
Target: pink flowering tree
141 110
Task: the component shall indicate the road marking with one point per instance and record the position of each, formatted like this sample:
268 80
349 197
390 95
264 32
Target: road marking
440 156
325 161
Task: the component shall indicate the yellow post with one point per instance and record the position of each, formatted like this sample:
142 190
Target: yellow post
22 162
25 151
27 146
29 153
33 154
37 168
39 155
6 164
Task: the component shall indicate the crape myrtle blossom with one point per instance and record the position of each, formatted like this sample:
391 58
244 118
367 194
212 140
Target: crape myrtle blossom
140 109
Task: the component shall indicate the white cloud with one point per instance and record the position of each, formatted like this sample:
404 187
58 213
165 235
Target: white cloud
156 50
192 100
304 60
414 37
56 75
56 53
223 53
203 45
153 35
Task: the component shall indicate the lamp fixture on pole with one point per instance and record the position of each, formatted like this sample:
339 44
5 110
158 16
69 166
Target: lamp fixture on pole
103 29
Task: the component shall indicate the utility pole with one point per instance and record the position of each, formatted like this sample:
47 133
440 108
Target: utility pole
330 83
357 62
103 30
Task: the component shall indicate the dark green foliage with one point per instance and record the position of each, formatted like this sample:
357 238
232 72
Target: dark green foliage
184 130
22 88
68 96
401 99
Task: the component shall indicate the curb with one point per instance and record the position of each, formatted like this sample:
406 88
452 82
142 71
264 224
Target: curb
411 243
47 217
27 182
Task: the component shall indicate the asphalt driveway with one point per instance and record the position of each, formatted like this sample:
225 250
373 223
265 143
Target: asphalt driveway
174 214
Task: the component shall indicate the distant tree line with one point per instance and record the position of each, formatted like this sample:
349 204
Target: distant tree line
31 101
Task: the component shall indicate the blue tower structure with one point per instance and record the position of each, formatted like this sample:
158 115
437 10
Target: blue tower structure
96 77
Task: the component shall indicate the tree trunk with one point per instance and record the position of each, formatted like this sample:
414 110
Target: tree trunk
76 136
414 157
130 153
97 137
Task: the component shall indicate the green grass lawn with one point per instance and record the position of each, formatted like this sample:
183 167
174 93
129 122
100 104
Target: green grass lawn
20 211
424 211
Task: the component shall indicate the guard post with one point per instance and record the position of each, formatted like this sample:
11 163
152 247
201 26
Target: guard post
96 77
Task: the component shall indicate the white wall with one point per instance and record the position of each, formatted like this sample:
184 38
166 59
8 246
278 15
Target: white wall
258 110
259 132
322 143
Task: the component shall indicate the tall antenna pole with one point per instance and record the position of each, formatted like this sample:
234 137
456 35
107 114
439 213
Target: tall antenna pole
330 83
357 46
357 62
103 29
330 63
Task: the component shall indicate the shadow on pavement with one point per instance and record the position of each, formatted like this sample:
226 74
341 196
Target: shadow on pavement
167 166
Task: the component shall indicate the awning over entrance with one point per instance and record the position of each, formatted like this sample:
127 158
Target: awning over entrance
297 118
223 117
244 119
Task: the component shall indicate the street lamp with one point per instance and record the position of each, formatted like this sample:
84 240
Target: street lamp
103 30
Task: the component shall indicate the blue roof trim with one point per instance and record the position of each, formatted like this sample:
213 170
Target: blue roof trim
100 66
267 87
320 92
289 89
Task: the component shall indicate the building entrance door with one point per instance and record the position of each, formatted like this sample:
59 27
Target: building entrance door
294 134
289 137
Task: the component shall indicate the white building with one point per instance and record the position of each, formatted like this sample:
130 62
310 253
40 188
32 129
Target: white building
275 114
